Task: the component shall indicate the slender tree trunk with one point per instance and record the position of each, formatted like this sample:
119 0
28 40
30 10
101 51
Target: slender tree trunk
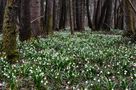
88 13
56 15
63 14
49 18
97 14
42 16
71 17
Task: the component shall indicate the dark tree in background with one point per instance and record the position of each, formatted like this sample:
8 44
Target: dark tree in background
80 14
2 8
25 24
35 9
49 18
71 17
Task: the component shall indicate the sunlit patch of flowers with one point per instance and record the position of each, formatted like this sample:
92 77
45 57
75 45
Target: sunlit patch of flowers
83 61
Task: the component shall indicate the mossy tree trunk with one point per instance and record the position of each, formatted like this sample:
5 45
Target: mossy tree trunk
10 33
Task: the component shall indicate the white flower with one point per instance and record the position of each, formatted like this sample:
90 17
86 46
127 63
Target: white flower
109 79
131 77
134 64
108 72
67 87
135 74
91 84
108 65
74 88
45 83
41 81
126 89
101 72
113 77
45 78
86 82
68 82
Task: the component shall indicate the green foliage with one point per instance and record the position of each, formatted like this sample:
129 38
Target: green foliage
84 61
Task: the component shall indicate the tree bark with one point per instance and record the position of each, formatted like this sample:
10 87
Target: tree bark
10 33
35 13
2 8
49 18
25 26
71 17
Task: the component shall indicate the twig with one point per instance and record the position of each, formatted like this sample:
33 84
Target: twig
37 18
132 6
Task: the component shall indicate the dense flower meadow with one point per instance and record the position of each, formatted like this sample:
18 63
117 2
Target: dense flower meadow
81 62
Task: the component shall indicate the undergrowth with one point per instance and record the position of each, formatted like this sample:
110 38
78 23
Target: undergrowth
84 61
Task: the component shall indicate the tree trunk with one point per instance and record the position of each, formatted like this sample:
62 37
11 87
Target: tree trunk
63 14
128 19
108 17
35 14
71 17
80 16
10 33
49 18
88 13
2 8
25 29
56 15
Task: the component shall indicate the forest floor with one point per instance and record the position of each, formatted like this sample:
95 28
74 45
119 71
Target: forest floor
85 61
